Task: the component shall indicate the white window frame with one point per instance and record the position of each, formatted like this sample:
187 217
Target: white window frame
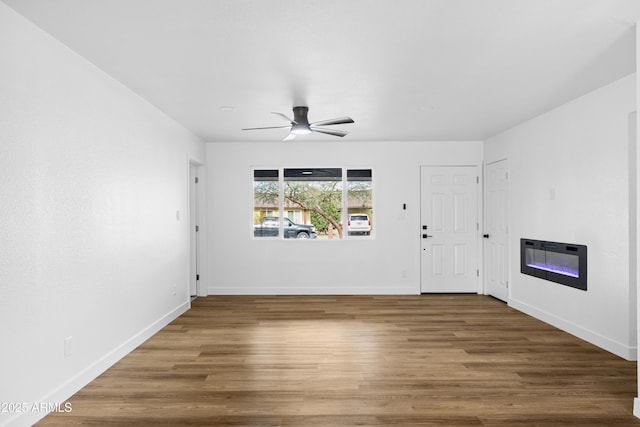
345 202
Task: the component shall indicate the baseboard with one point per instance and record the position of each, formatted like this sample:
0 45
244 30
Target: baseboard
73 385
636 407
400 289
619 349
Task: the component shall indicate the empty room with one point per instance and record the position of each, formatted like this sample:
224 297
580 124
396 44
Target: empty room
319 213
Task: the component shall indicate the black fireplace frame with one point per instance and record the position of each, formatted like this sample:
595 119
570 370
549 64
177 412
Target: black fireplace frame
580 251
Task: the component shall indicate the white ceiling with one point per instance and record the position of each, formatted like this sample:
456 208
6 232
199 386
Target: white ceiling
402 69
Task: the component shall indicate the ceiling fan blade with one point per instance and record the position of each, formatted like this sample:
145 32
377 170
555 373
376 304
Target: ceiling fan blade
339 121
284 117
290 137
268 127
333 132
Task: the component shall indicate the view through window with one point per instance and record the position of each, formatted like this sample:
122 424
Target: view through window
265 203
359 202
316 203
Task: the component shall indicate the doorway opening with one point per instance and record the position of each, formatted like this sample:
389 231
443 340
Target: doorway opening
195 170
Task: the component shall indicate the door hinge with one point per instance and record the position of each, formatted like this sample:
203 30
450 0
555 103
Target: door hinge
478 272
196 179
477 226
506 284
197 277
197 228
477 180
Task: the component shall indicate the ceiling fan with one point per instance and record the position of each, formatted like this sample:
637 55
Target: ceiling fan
300 124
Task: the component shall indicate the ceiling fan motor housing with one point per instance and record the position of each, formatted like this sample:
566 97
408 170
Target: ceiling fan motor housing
300 115
300 125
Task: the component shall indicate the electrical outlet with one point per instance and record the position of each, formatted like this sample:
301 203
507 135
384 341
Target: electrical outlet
68 347
404 274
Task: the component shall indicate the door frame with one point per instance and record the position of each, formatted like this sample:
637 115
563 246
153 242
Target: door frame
479 210
508 242
196 209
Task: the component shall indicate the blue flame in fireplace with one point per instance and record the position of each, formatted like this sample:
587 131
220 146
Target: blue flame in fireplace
566 271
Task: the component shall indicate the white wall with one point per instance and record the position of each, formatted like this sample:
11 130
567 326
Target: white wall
578 152
237 264
91 177
636 219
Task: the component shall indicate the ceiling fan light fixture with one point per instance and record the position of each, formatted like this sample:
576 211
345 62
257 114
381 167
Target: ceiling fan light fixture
300 129
300 124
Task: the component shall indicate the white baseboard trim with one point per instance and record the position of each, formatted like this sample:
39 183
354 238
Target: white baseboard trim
314 290
619 349
74 384
636 407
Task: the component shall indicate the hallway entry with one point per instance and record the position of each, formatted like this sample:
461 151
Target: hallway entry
194 230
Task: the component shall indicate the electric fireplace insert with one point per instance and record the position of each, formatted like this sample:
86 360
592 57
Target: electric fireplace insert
563 263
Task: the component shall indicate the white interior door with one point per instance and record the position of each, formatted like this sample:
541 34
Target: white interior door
496 231
449 231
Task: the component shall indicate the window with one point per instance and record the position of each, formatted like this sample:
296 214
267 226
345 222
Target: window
294 215
265 203
315 203
359 202
317 195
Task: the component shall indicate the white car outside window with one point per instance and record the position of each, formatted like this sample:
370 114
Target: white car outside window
359 224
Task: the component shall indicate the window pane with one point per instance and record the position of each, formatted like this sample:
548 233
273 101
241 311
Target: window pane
313 197
359 202
265 203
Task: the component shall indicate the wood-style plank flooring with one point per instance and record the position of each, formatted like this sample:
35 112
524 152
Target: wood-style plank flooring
430 360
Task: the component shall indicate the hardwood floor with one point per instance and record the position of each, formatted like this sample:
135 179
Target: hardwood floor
431 360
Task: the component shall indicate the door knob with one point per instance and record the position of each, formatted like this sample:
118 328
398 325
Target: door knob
424 236
486 236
